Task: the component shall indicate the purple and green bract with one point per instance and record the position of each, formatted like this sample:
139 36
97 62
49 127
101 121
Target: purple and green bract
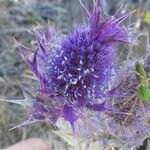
121 130
129 131
73 70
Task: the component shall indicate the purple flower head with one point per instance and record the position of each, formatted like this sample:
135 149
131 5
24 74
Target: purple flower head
73 70
124 130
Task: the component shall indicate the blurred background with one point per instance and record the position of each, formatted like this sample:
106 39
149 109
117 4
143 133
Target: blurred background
17 17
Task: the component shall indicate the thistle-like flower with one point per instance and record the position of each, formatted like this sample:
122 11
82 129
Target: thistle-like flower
73 70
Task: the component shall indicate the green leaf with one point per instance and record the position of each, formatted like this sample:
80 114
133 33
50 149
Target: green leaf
140 73
147 18
143 93
143 90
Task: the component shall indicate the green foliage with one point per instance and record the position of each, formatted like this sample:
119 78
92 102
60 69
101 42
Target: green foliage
143 90
147 18
140 73
144 93
31 19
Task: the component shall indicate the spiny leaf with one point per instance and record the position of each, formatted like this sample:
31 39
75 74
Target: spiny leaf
28 99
